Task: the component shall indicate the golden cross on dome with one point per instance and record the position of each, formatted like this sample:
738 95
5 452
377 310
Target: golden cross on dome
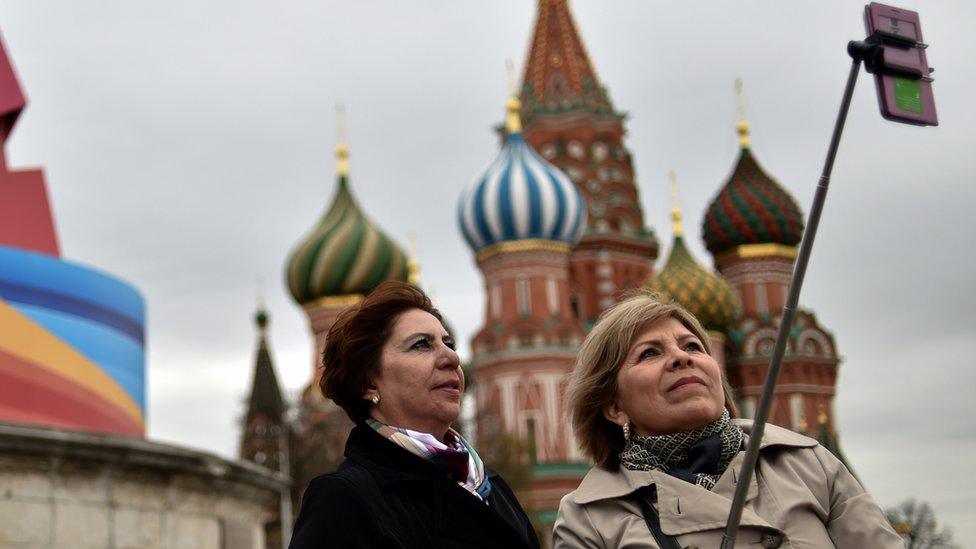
342 150
675 204
510 76
513 123
741 126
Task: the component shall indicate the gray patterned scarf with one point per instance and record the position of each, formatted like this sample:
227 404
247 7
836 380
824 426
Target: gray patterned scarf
699 456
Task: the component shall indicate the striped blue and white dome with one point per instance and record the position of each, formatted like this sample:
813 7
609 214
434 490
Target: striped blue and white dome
521 196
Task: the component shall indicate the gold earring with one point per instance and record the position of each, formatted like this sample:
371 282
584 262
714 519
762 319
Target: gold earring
376 398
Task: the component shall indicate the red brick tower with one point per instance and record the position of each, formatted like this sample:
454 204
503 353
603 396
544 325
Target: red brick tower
570 120
752 229
263 439
521 218
266 434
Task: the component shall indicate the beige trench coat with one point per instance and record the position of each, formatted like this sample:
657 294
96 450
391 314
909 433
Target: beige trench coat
800 497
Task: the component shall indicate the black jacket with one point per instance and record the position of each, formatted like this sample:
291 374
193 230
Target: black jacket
384 496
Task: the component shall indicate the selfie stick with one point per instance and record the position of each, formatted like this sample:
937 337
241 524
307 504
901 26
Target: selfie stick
859 51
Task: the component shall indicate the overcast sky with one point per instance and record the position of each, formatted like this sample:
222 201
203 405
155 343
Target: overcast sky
188 147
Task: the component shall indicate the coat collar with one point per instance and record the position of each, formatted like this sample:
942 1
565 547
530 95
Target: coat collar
601 483
388 462
685 507
774 435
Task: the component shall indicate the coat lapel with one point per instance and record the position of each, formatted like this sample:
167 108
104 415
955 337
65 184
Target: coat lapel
685 507
457 514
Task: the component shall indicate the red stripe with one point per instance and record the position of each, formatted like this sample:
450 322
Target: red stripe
736 218
29 393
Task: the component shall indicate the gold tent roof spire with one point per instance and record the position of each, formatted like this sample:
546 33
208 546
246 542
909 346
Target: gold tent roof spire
675 204
741 126
341 150
513 121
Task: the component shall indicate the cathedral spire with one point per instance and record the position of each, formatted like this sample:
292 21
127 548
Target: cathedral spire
707 295
513 120
568 117
751 208
342 150
675 205
265 397
558 73
742 127
345 255
264 420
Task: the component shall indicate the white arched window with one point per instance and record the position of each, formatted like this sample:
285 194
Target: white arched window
496 300
522 293
552 294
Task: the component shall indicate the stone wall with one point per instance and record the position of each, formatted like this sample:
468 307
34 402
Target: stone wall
71 489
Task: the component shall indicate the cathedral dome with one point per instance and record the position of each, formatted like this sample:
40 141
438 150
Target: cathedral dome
520 196
703 292
346 253
751 208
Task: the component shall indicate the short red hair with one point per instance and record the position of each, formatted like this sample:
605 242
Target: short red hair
355 342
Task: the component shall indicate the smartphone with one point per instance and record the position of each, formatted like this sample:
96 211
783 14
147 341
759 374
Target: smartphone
904 85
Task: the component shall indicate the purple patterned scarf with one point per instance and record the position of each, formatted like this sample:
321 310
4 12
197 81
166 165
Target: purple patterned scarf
454 455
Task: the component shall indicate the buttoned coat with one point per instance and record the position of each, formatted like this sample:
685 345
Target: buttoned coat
383 496
800 496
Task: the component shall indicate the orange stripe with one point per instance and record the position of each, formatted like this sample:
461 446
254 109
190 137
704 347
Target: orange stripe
22 337
32 394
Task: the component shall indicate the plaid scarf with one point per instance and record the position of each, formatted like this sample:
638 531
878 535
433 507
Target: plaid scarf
699 456
455 456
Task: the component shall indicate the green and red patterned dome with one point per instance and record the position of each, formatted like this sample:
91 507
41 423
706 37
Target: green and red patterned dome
346 253
704 293
751 208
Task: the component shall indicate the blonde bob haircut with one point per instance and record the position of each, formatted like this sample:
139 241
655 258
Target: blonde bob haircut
593 386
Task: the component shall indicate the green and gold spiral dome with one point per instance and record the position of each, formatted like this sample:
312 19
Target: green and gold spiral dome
704 293
346 254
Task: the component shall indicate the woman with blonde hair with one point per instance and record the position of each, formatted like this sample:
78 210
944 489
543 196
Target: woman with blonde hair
652 409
